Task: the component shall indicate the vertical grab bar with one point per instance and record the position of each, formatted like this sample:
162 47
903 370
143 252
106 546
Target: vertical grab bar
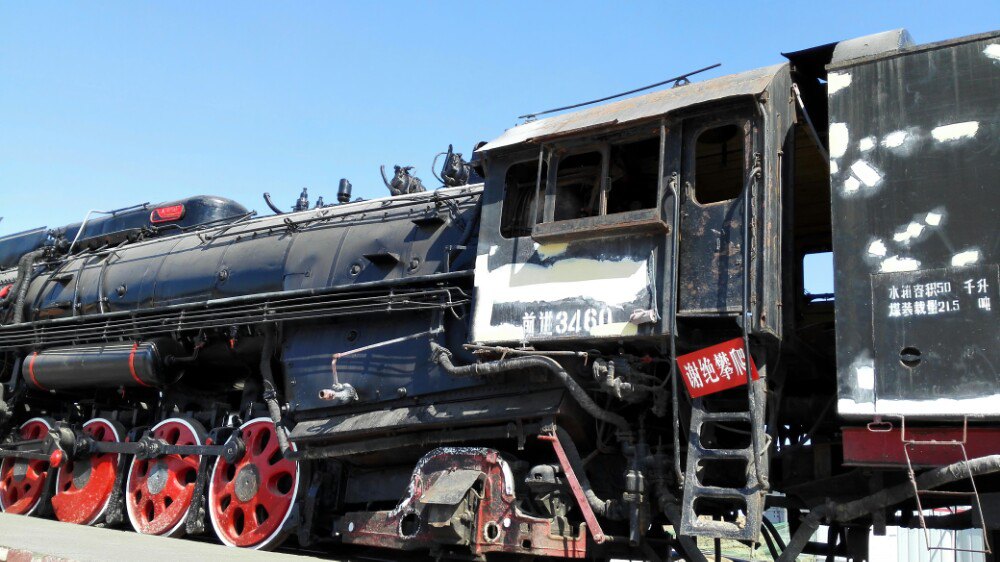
748 192
672 185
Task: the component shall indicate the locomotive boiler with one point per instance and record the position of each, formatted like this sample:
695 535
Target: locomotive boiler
594 340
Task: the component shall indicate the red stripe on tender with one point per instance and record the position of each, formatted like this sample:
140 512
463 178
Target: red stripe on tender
926 446
131 365
31 371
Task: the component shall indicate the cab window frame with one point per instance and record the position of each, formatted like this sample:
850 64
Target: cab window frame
510 227
734 117
603 221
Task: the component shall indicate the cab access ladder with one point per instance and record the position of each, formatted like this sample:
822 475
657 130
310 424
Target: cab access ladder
749 497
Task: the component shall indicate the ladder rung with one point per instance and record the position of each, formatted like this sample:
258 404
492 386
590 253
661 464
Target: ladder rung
701 461
717 492
724 416
715 524
945 493
717 454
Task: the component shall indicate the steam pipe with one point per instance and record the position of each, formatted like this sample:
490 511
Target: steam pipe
670 507
267 199
271 392
20 289
609 509
899 493
442 356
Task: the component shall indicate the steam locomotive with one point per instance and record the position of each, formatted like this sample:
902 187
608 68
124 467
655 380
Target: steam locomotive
592 341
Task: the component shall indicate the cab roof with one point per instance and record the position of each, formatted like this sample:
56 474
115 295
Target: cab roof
637 109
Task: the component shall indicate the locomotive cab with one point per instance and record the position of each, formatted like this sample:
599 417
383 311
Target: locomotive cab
603 225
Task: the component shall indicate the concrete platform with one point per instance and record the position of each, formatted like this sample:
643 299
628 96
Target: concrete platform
24 539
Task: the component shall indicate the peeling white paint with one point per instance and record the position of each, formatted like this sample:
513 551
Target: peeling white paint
979 406
968 257
895 139
493 249
863 369
896 263
839 139
992 51
613 283
846 406
866 144
551 250
417 476
834 167
877 248
866 377
866 173
933 218
911 231
837 81
852 184
955 131
614 329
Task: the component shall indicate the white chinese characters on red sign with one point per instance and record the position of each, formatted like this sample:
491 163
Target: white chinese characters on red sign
715 368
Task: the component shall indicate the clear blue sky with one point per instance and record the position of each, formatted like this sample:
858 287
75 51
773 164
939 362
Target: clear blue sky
106 104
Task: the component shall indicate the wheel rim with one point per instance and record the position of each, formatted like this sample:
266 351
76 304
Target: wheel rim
160 490
84 486
22 482
250 500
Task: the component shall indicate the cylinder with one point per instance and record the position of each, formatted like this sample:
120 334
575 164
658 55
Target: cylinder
127 364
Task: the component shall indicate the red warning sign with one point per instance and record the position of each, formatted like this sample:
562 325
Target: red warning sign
715 368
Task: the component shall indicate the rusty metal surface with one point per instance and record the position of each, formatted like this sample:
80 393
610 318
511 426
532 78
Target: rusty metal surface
631 222
638 108
451 487
492 520
864 447
574 484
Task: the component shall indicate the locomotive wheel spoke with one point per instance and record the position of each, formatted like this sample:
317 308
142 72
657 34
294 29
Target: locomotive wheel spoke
161 489
84 486
250 499
23 482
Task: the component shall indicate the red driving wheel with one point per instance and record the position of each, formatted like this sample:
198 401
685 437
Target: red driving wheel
159 491
22 481
84 486
250 500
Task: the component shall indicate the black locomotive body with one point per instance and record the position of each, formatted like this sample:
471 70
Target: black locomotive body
603 349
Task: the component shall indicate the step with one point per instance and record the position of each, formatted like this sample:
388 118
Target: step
717 492
714 454
725 416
